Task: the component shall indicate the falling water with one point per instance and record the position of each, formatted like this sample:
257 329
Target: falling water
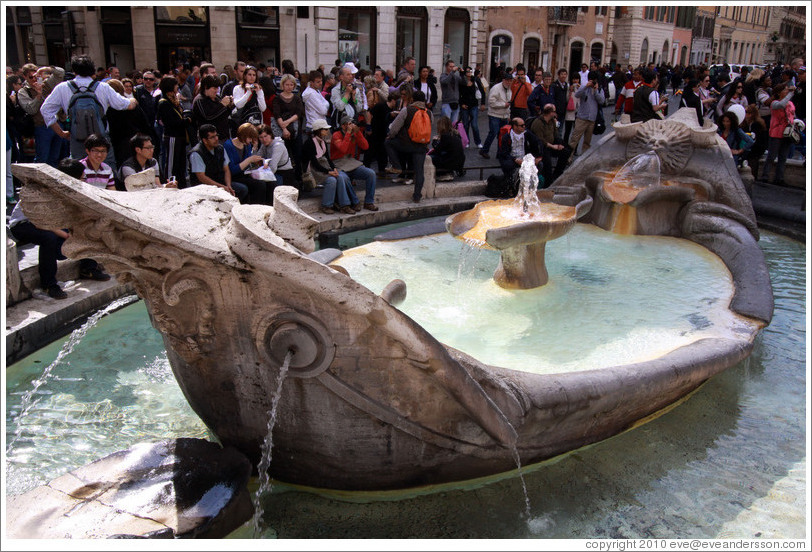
527 202
27 401
640 171
267 447
521 478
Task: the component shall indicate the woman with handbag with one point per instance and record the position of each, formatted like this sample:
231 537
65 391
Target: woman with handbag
275 154
737 140
572 107
288 112
242 160
783 114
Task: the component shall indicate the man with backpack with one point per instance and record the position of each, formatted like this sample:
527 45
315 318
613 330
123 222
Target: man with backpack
85 101
410 134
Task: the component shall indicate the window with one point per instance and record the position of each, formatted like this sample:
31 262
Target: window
456 37
601 10
357 35
411 34
181 14
644 51
258 16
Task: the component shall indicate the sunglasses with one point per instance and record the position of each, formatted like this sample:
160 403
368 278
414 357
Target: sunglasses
149 79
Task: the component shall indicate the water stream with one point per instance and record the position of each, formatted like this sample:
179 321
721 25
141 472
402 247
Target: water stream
267 449
29 398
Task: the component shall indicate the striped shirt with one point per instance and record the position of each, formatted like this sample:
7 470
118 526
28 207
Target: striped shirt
101 178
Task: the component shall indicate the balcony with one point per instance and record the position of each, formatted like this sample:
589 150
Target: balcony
565 15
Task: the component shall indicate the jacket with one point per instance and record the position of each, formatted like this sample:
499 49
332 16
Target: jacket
590 99
497 98
505 155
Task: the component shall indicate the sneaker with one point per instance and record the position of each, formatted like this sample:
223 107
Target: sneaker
479 146
326 210
357 207
56 292
370 207
393 170
399 180
94 274
484 154
348 210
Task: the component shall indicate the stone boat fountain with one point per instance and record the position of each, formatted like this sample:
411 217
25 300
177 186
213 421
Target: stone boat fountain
372 400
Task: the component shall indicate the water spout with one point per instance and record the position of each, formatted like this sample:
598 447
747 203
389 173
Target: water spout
527 202
267 447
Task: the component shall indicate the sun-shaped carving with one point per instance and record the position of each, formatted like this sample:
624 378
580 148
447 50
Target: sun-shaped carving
670 140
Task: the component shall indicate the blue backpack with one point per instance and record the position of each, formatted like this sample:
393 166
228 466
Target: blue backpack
85 112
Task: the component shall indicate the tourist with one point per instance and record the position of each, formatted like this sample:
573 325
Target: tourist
209 108
515 145
447 153
498 110
734 96
50 242
316 106
142 158
450 82
288 111
406 72
399 140
625 97
249 100
572 107
426 86
542 95
471 93
755 126
242 160
345 150
61 96
520 91
544 128
97 173
591 99
648 104
380 83
380 111
124 125
737 140
209 164
783 114
39 82
561 95
176 132
346 97
147 95
275 154
337 186
690 98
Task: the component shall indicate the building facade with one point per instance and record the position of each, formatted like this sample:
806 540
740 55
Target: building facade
550 37
164 36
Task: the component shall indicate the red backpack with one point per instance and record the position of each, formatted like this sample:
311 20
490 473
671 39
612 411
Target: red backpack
502 131
420 127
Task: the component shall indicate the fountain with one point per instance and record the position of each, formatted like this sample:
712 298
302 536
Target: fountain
371 400
518 229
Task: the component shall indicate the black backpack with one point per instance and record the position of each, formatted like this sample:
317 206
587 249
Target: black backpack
85 112
501 186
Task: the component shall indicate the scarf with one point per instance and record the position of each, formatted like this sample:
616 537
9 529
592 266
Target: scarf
517 144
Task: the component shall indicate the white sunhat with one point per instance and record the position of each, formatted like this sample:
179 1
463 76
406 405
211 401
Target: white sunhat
351 66
319 124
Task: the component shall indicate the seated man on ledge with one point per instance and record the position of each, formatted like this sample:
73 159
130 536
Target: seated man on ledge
514 145
209 162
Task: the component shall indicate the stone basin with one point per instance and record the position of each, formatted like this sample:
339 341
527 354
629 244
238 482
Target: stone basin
521 238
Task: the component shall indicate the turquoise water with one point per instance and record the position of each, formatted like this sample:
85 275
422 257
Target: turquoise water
729 462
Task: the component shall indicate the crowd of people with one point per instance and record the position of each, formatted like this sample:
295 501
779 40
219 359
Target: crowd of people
247 129
263 119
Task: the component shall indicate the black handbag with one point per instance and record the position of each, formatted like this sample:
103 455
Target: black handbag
600 124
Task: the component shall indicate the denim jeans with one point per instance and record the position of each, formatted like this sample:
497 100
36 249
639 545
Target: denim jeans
368 176
777 147
417 153
453 114
470 119
338 188
49 146
494 124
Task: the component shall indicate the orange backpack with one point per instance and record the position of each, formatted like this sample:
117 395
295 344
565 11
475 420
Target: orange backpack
420 127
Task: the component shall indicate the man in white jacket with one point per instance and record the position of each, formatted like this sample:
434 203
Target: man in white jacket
498 110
